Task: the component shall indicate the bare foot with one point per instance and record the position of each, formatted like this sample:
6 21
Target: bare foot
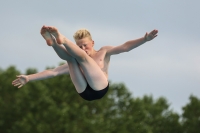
47 36
59 37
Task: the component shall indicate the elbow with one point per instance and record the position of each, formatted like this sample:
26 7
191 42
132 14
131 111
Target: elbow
126 49
53 73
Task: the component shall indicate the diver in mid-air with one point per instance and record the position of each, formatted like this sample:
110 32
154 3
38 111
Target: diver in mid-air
87 67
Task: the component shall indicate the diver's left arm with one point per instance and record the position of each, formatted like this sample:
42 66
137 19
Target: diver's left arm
129 45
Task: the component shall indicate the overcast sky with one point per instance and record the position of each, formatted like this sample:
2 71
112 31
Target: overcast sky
168 66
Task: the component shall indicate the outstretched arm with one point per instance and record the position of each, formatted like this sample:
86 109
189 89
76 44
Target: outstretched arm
129 45
23 79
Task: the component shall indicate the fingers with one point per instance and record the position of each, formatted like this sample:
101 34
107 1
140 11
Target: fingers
18 76
15 80
154 32
20 86
152 35
17 84
155 36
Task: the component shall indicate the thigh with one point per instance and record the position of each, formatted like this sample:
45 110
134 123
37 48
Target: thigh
77 76
93 74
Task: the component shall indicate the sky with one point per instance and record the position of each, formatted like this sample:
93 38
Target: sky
168 66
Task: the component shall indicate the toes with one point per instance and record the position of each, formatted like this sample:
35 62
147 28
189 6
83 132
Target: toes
44 28
50 28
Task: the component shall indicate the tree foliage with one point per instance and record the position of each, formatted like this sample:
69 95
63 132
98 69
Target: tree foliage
191 116
54 106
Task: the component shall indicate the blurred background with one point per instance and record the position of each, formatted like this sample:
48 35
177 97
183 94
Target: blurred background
168 66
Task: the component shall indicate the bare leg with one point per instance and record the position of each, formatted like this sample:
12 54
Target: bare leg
76 74
60 50
93 74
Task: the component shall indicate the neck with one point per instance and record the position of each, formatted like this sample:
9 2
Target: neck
93 52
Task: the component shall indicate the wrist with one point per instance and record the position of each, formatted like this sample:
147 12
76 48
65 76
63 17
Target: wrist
27 78
145 37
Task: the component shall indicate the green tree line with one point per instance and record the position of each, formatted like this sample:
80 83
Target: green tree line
53 106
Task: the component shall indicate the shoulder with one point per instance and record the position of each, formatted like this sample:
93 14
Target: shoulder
106 49
113 50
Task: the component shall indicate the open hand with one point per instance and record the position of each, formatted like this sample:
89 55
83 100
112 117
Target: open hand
150 36
20 81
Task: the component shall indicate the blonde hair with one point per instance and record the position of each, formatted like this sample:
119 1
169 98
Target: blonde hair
82 33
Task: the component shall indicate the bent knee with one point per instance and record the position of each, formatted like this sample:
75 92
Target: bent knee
82 57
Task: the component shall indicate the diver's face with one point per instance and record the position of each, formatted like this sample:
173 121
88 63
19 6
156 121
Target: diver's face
86 44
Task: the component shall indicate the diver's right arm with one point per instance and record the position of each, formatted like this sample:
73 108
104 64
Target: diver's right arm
23 79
